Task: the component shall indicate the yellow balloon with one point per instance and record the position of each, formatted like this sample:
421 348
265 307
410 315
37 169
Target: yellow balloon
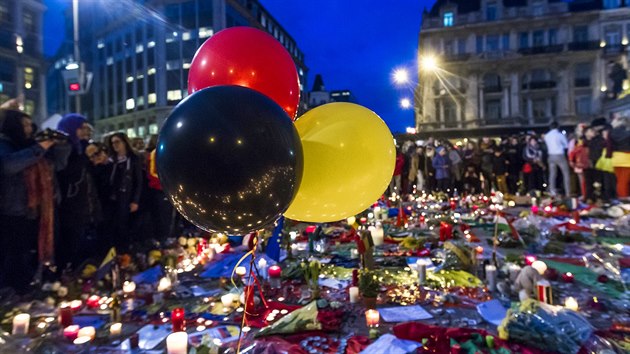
349 158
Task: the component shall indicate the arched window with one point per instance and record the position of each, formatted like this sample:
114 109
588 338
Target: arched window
491 83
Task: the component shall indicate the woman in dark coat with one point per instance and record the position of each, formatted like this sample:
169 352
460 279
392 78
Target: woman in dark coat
27 199
80 209
125 183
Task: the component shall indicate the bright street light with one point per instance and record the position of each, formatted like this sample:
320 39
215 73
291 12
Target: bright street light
428 63
405 103
401 76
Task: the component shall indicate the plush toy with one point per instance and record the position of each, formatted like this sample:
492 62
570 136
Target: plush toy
526 280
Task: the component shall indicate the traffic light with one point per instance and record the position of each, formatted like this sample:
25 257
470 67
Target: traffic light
76 79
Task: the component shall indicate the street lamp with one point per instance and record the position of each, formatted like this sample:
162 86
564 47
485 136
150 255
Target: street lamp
428 63
401 76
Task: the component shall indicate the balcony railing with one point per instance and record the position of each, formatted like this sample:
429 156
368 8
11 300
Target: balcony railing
556 48
456 57
587 45
614 49
539 85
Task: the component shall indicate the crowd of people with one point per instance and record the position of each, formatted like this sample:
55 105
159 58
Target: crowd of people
65 197
591 163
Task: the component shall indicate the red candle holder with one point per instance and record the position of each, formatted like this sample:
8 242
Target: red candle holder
71 332
529 260
274 277
178 317
92 301
65 316
568 277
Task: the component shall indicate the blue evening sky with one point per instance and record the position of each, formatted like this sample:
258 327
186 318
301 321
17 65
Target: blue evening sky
354 44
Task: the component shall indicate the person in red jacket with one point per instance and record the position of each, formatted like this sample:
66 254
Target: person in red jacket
160 209
579 161
395 184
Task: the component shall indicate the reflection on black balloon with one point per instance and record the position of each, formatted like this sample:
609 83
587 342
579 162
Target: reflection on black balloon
230 159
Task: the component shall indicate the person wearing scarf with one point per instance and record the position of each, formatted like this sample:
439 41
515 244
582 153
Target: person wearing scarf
80 208
27 199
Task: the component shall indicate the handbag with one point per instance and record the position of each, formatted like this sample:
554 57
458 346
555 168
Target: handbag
605 164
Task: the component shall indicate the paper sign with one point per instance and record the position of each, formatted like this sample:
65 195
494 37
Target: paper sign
404 313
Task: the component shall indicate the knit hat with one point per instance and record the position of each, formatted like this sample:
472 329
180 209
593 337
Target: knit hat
69 125
439 149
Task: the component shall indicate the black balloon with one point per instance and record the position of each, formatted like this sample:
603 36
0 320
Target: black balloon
230 159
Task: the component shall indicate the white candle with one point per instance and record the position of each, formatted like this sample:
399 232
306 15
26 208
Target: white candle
115 329
177 343
513 270
571 304
540 266
240 271
81 340
262 268
491 277
351 220
377 213
129 287
378 235
228 300
422 272
88 331
354 294
354 253
164 284
534 201
20 324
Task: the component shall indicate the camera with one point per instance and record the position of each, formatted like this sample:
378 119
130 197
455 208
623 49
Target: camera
51 134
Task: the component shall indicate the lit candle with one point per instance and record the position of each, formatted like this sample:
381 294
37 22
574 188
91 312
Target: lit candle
82 340
240 271
65 315
540 266
92 301
377 212
372 317
353 291
354 253
177 343
275 273
568 277
71 332
262 268
534 209
115 329
227 300
422 272
378 235
75 305
571 304
529 260
20 324
164 284
491 277
178 319
351 220
543 292
88 331
129 287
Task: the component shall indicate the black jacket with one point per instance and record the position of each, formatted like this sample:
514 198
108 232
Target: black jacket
128 188
79 198
595 148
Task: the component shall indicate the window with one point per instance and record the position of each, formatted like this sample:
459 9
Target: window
174 95
450 112
140 101
492 110
479 44
538 75
538 38
491 83
505 41
5 12
448 19
492 43
538 9
523 40
152 98
29 21
461 45
153 128
612 4
130 104
580 34
582 75
613 35
553 36
449 48
583 105
491 12
7 70
131 133
539 108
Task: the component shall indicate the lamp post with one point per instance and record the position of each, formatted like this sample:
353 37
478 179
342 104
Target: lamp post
77 58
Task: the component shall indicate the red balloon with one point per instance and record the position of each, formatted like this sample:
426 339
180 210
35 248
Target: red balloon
248 57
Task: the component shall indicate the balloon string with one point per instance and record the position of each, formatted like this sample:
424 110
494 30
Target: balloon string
247 289
238 264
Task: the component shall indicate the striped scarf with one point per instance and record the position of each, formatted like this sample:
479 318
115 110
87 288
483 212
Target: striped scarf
39 187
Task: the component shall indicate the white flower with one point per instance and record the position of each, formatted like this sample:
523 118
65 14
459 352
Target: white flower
182 241
62 291
55 286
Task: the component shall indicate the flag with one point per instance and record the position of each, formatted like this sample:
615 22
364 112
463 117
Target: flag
503 224
273 245
106 265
